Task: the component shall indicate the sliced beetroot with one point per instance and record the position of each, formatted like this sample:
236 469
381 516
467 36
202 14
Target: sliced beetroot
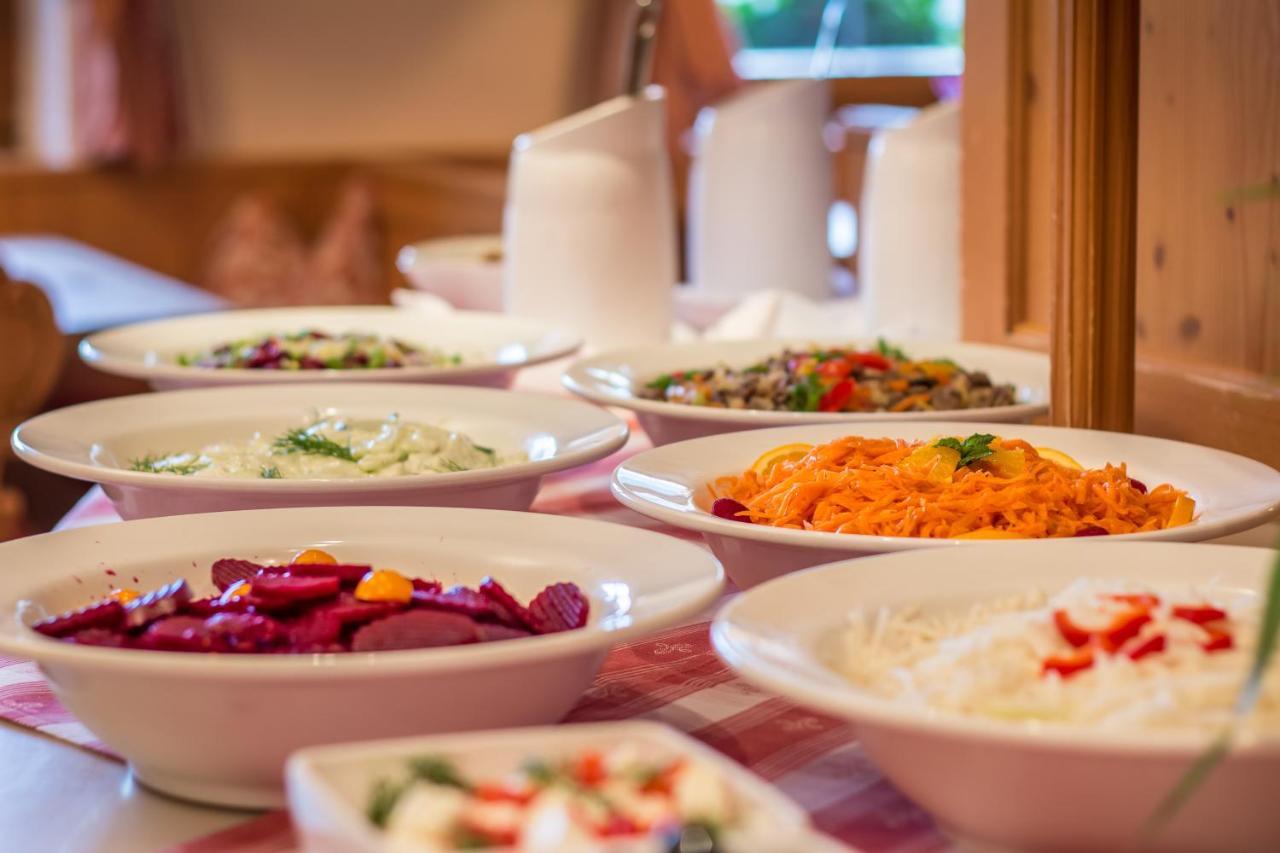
106 615
168 600
457 599
559 607
424 585
290 589
314 630
494 631
511 612
228 572
99 637
415 629
729 508
348 573
180 634
348 611
245 632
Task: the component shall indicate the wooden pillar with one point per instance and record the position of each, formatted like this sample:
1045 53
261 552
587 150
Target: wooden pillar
1094 206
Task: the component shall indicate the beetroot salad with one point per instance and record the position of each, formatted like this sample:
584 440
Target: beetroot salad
315 604
315 350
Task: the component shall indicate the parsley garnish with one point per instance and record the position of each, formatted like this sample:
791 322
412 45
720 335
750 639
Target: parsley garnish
806 394
973 448
437 771
269 472
300 441
660 383
888 350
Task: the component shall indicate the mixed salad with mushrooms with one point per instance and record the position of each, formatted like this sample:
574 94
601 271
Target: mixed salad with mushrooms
838 379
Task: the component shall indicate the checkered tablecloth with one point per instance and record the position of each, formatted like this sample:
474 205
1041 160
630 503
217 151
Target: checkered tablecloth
674 678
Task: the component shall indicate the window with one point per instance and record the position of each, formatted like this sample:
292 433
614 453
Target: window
872 38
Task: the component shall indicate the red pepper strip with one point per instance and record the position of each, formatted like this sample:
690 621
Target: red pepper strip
1199 615
835 368
1218 641
1137 599
494 792
1071 632
872 360
1069 664
1149 646
835 399
590 770
1123 628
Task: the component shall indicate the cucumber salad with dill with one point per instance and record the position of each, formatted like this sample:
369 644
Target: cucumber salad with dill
334 446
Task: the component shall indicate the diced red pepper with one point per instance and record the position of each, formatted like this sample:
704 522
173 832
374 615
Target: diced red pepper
590 770
1068 664
871 359
1149 646
1123 628
493 792
1219 640
1071 632
617 825
835 399
1137 599
835 368
1199 614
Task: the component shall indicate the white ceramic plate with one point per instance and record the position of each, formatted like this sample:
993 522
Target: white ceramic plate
217 728
492 346
96 441
1020 786
613 379
669 483
329 787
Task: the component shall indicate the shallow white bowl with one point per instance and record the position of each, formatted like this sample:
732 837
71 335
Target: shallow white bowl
493 346
217 728
96 441
1020 786
669 483
329 786
614 379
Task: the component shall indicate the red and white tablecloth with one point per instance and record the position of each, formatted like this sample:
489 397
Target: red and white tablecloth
674 678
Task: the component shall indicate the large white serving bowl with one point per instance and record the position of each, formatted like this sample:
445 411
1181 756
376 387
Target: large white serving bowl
669 483
1019 785
493 346
217 728
615 379
96 441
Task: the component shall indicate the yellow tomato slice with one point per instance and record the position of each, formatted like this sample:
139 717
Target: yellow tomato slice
1184 509
1061 458
989 533
784 453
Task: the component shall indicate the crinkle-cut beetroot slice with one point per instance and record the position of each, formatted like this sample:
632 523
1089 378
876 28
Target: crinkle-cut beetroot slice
99 637
457 599
180 634
104 614
510 611
493 631
229 571
245 632
289 589
349 574
424 585
416 629
317 628
168 600
559 607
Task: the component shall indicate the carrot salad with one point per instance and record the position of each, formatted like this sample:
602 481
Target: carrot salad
981 487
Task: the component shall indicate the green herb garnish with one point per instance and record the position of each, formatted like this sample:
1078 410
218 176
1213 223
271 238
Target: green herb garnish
385 796
166 465
269 472
1207 761
487 451
757 368
661 383
888 350
540 772
300 441
806 394
973 448
451 466
437 771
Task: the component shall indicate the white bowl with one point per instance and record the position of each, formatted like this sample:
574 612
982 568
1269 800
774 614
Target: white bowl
614 379
669 483
1021 786
493 346
217 728
95 442
329 786
464 271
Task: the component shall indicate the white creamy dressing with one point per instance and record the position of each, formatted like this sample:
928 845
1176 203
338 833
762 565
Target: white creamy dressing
378 448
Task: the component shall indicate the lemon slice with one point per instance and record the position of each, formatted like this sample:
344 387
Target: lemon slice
1059 457
784 453
989 533
1184 508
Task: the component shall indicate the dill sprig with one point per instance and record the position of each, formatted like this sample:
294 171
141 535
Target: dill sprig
300 441
165 464
269 472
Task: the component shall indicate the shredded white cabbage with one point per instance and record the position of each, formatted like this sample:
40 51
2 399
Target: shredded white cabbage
988 661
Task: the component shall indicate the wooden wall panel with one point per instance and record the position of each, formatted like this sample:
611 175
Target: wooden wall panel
1209 254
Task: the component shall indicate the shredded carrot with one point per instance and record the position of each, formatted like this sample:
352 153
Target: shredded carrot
858 485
